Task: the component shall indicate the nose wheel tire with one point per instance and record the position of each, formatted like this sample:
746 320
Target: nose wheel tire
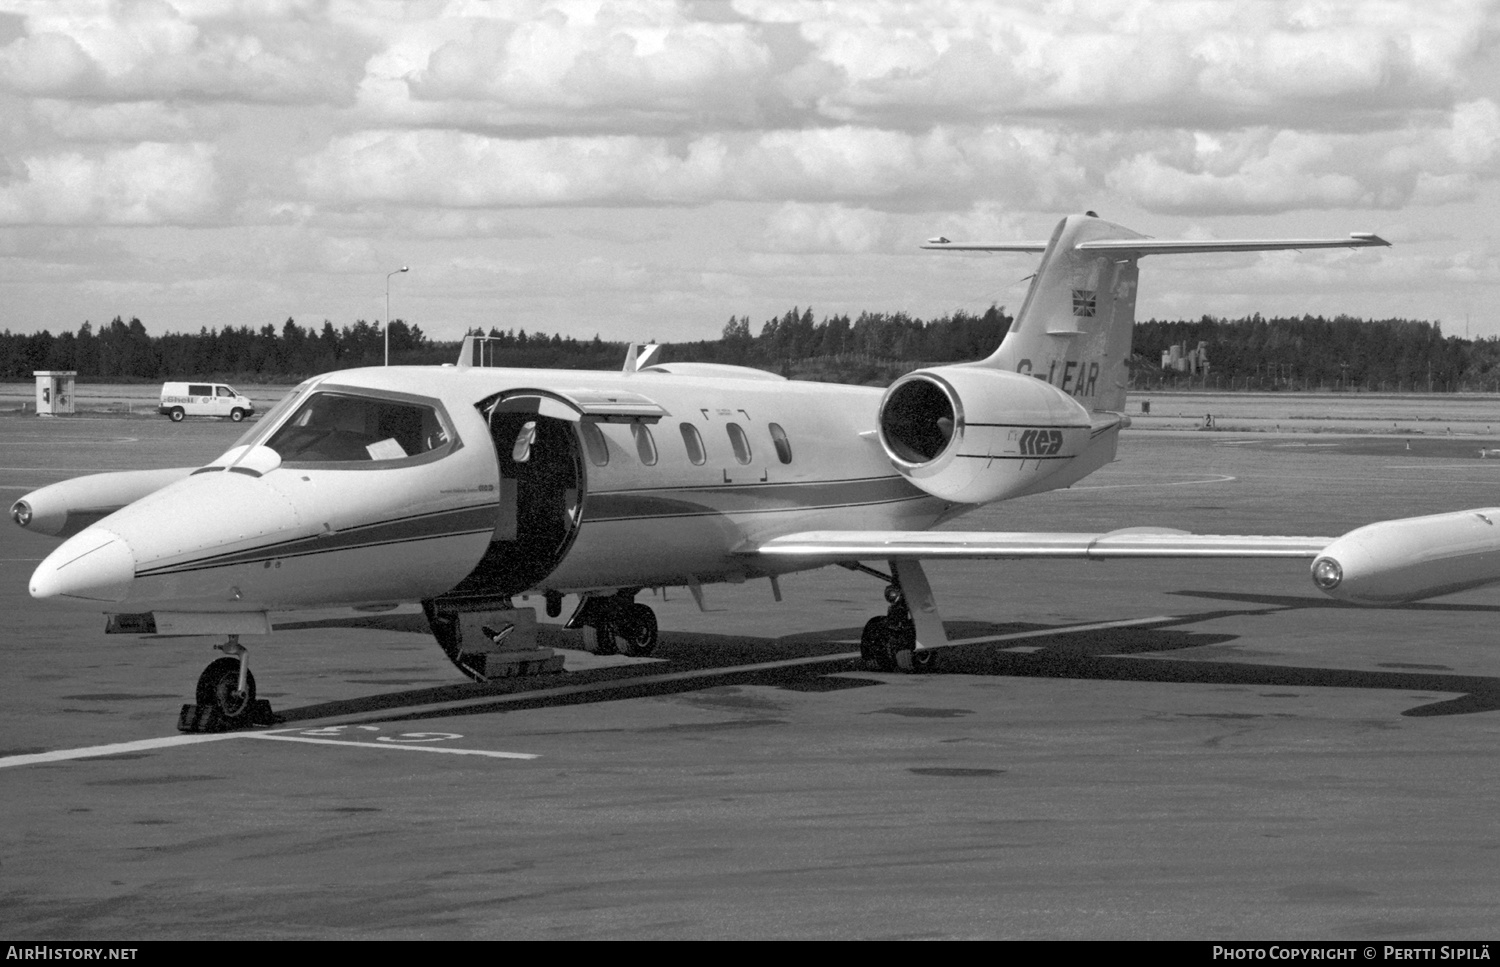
218 688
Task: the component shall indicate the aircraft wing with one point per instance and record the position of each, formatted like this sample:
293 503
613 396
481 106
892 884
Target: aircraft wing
1134 542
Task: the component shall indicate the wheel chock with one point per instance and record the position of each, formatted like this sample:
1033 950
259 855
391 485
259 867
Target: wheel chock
208 719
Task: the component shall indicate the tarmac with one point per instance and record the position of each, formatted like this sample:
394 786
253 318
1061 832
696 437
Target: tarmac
1157 750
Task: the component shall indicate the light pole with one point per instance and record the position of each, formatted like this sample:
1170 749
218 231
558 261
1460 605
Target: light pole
388 312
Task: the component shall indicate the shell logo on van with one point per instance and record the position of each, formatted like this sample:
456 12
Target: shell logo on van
181 400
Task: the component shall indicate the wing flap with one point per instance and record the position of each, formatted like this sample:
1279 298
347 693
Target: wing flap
1135 543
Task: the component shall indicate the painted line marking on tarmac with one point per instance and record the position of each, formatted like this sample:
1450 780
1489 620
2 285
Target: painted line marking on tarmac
117 748
1067 630
391 744
1213 479
69 443
71 469
172 741
121 748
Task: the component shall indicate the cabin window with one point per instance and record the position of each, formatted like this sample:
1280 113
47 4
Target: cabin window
348 428
645 446
694 444
200 389
783 445
739 441
594 444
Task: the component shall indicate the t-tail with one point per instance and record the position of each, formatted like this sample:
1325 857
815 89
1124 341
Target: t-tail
1045 409
1074 329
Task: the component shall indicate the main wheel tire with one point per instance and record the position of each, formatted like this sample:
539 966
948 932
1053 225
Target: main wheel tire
922 660
218 687
871 641
875 645
900 637
599 639
638 631
177 414
236 414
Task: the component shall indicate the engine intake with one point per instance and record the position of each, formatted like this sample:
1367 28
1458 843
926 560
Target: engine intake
972 435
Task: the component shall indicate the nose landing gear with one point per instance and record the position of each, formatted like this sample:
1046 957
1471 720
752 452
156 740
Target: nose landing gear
226 695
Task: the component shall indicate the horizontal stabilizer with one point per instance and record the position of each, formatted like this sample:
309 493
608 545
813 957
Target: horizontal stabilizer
830 546
943 243
1132 247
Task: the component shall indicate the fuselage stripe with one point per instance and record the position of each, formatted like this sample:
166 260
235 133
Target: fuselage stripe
286 549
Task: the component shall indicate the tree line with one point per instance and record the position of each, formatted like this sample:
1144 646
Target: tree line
1309 352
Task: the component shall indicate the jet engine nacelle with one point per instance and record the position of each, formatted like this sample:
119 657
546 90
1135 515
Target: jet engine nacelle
65 508
972 435
1395 561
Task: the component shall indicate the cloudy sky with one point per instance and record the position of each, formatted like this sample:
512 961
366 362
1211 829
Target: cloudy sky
648 169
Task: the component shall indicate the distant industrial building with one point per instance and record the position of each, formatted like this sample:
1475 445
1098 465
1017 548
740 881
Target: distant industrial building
1179 359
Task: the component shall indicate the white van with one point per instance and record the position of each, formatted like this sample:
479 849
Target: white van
203 399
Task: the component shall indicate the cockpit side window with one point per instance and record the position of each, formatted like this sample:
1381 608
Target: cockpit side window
348 428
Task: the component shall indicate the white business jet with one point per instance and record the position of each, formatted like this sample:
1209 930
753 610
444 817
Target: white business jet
463 486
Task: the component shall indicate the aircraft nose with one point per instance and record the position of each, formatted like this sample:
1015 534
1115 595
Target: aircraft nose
96 565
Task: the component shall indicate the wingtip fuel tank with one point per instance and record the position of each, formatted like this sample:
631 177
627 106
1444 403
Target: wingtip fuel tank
1397 561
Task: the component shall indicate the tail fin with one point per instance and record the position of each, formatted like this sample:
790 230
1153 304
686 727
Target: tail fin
1074 328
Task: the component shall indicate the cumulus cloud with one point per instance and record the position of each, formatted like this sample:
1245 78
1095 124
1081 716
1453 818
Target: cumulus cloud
129 121
458 169
794 227
149 184
1131 60
271 52
830 130
1275 170
570 55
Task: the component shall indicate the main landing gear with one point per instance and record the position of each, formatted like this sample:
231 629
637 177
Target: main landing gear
226 695
889 642
615 623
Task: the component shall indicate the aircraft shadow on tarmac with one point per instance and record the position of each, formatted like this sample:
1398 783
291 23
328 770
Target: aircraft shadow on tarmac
1129 654
1293 601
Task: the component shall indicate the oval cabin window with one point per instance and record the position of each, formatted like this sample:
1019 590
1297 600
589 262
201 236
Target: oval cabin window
594 443
645 446
740 442
783 445
694 444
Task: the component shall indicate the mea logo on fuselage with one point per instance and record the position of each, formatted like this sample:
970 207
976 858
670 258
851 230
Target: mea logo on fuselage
1071 377
1041 443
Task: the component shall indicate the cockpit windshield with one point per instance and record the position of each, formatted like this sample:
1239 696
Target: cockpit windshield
347 427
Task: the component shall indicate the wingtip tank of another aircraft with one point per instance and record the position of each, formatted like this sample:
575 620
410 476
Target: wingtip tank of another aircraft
67 507
1399 561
